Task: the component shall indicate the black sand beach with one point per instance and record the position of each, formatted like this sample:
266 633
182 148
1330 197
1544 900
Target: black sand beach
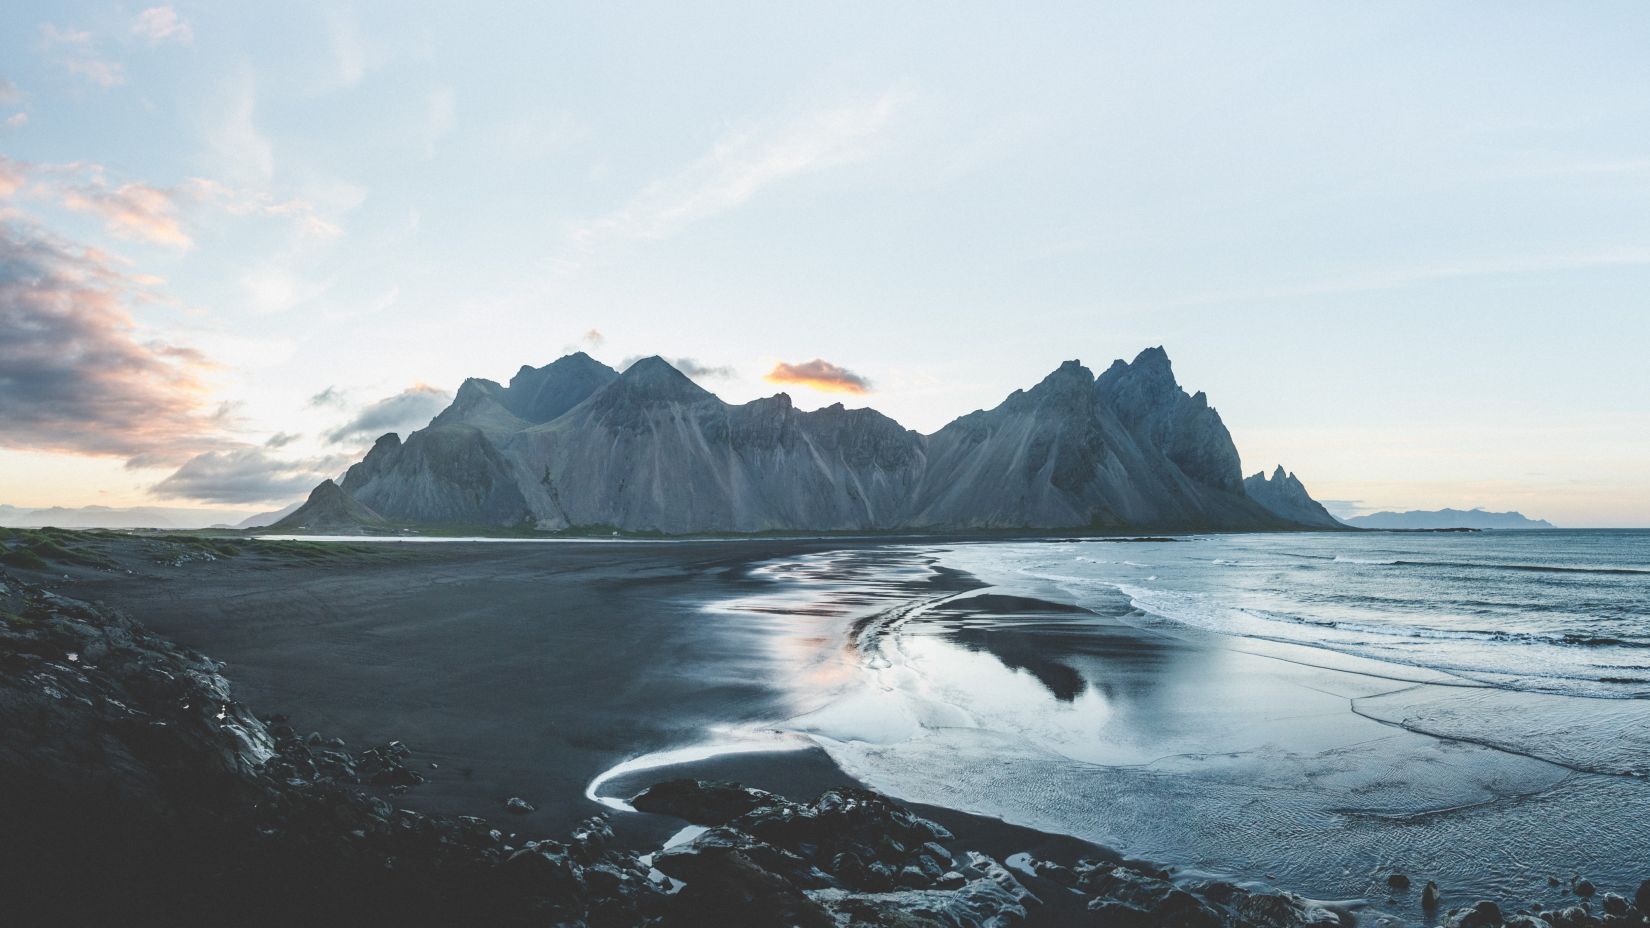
529 669
520 669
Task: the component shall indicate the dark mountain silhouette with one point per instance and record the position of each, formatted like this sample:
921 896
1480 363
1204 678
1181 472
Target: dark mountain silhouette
575 444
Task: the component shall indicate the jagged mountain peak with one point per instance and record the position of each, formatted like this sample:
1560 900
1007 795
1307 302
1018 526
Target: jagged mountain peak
576 443
542 394
1286 497
330 508
654 377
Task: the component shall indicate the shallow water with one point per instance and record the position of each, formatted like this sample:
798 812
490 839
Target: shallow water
1315 710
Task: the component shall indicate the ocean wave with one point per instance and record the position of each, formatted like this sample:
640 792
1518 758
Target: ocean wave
1533 568
1178 608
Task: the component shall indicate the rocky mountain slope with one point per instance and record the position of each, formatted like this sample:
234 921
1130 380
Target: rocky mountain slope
1285 496
329 509
576 444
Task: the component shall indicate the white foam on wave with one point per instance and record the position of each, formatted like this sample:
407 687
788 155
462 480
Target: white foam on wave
753 742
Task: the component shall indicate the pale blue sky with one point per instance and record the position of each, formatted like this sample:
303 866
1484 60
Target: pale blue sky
1405 248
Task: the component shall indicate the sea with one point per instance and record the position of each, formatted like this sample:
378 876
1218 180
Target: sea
1312 711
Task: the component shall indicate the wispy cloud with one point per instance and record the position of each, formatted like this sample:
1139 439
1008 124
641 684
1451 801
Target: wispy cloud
132 211
243 202
239 147
591 340
819 375
17 120
744 163
160 24
438 117
349 53
691 367
76 375
146 212
331 396
9 94
412 408
77 51
13 175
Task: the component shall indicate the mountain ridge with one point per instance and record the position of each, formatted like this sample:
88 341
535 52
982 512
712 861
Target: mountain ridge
1448 518
576 444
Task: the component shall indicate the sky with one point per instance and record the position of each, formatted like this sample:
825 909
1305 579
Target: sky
1404 247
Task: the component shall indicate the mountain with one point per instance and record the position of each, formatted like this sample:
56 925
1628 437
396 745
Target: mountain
576 445
1447 518
117 517
1285 496
330 509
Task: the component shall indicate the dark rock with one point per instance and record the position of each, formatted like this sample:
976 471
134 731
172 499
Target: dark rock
1429 895
1283 910
1582 888
519 805
1641 898
702 802
1483 915
1398 881
724 885
1614 904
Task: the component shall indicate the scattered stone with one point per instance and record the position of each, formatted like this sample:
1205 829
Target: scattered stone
519 805
701 802
1398 881
1429 895
1483 915
1583 887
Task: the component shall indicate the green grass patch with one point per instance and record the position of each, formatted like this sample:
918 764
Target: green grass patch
24 558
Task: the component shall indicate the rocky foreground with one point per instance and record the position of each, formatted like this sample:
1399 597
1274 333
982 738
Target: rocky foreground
135 789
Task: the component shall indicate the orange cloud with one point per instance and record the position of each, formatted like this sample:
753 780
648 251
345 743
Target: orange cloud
79 376
819 375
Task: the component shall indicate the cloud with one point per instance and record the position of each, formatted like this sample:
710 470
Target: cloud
160 24
412 408
819 375
131 210
591 339
76 376
246 475
438 118
242 202
17 120
9 93
13 175
281 439
238 145
1345 508
744 163
690 367
156 214
331 396
349 54
78 53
